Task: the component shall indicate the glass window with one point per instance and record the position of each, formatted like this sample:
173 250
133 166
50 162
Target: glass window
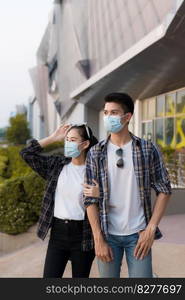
169 132
144 130
170 104
148 109
144 109
167 113
160 105
180 107
180 132
183 126
159 129
151 108
147 130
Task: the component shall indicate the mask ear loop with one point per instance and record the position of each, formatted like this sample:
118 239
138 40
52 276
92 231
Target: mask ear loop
123 115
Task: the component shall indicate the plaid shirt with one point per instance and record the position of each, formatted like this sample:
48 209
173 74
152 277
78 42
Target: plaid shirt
149 170
49 168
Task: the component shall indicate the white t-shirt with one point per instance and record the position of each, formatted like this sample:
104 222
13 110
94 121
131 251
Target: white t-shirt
69 193
126 213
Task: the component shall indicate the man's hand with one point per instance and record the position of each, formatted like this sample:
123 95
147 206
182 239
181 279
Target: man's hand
103 251
145 242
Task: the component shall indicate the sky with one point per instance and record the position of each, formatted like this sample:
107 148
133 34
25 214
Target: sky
22 25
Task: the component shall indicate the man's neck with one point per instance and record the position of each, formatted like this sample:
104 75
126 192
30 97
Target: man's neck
120 138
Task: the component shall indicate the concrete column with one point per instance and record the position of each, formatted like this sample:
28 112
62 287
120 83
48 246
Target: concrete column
102 131
137 117
92 118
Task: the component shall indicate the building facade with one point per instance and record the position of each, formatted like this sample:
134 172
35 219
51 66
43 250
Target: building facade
92 47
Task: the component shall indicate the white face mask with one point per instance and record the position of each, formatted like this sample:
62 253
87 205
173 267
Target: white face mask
71 149
113 123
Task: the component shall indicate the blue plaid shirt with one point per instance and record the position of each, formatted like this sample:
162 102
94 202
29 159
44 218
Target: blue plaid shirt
149 170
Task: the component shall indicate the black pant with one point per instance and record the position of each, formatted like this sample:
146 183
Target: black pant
65 244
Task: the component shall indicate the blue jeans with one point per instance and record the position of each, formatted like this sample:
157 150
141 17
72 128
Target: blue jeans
136 268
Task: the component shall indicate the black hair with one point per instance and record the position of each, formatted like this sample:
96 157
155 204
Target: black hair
83 133
123 99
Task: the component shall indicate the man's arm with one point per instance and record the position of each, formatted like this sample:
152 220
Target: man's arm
146 237
161 184
102 250
159 210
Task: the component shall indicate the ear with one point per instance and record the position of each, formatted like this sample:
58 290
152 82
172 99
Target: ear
129 116
86 144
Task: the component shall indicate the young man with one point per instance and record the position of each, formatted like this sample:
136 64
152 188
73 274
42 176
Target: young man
126 168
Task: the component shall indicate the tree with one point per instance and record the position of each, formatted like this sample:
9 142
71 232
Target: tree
2 133
18 132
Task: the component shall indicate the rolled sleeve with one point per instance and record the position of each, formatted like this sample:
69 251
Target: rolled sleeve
40 163
90 200
90 174
159 176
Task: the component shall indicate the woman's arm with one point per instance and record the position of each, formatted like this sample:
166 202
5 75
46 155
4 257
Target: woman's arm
42 164
91 190
57 136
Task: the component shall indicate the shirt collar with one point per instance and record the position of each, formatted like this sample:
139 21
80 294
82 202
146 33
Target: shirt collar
136 140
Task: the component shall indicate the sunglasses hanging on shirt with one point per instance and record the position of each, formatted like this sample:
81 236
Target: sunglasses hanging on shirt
120 162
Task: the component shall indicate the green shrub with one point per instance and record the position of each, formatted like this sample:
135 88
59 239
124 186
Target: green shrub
16 165
20 202
3 165
34 188
11 163
21 189
3 151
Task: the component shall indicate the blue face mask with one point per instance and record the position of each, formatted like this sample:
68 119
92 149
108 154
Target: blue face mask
71 149
113 123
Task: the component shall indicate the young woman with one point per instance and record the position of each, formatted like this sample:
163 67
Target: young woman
62 207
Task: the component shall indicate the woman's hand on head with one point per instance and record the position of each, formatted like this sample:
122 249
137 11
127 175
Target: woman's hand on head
91 190
59 134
